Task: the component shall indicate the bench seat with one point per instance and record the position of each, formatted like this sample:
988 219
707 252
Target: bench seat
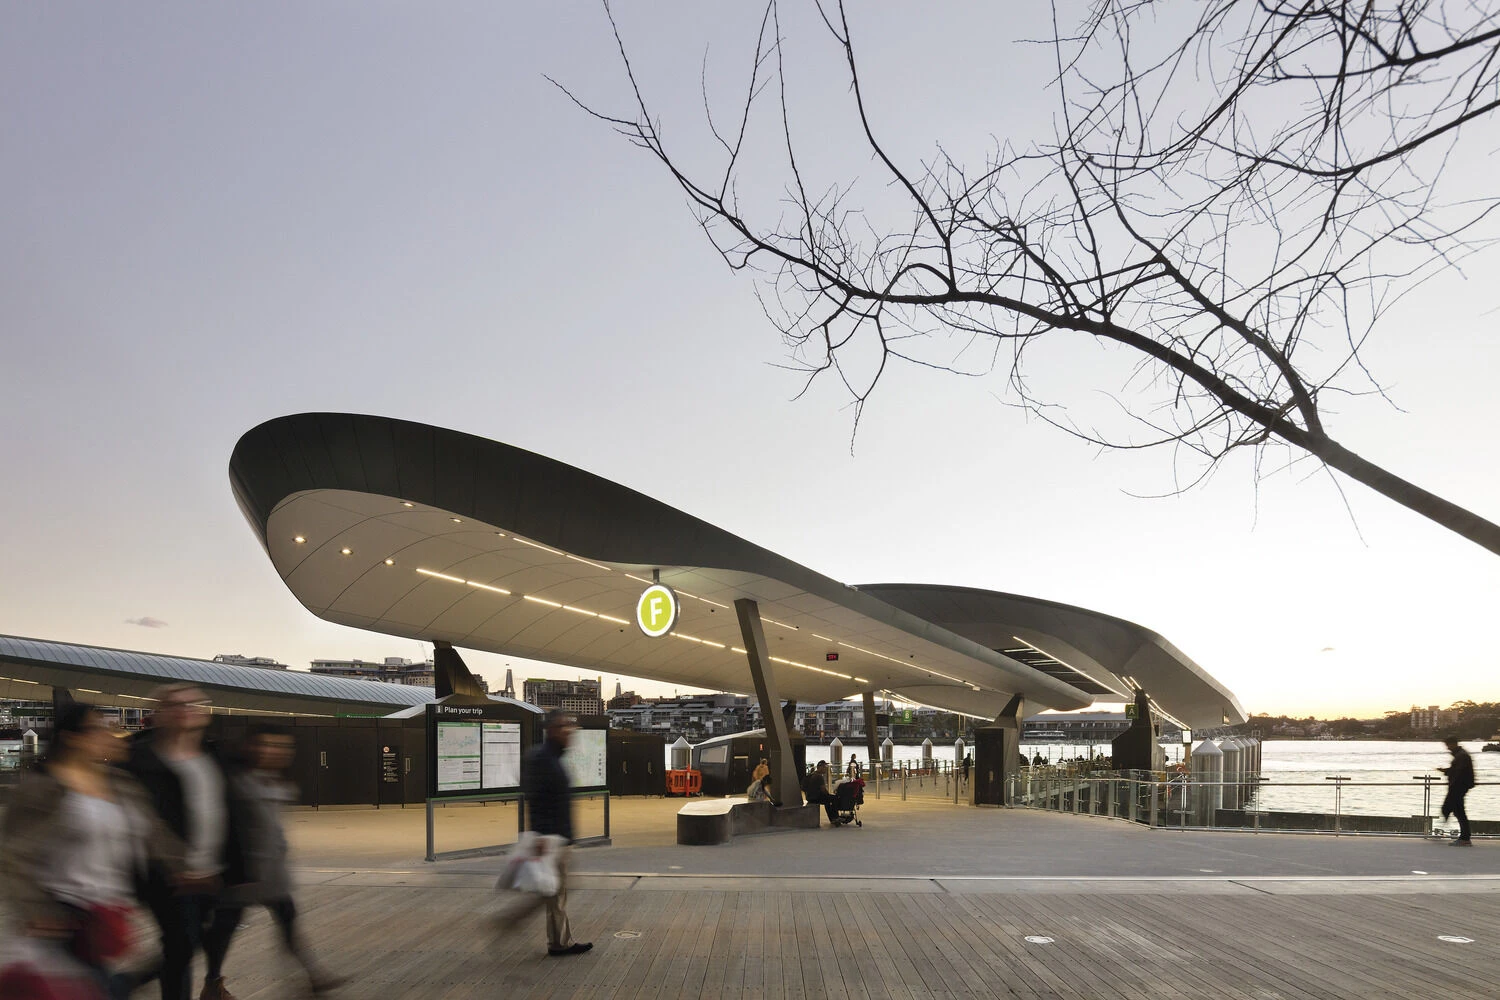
714 821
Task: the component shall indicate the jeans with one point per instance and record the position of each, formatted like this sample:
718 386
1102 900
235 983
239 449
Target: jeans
227 918
188 922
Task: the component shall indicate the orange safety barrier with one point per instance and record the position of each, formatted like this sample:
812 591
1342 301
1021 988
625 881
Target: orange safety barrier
684 782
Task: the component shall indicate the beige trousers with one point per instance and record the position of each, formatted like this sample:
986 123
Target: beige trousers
559 934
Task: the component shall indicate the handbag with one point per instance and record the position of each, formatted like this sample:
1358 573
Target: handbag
36 969
106 932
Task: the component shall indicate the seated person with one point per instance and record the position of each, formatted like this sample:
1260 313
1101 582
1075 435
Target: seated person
759 790
815 787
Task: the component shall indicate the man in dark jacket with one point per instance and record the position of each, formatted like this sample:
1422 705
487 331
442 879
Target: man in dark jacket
190 790
1460 774
549 807
815 789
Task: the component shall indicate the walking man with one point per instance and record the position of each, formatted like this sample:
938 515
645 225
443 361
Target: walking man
1460 772
549 807
190 791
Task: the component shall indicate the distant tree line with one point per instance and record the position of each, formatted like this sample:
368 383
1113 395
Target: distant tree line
1477 720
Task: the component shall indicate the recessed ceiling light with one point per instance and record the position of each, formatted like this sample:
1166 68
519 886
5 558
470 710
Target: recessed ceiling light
456 520
299 539
390 562
407 503
347 552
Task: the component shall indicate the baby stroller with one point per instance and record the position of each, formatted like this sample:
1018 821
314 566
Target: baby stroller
848 796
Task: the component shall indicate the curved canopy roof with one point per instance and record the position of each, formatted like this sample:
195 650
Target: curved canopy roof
433 534
124 677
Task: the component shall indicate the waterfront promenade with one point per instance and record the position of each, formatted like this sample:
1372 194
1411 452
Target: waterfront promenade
926 900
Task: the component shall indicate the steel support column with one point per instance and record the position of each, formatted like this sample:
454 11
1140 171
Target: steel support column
997 750
786 787
872 748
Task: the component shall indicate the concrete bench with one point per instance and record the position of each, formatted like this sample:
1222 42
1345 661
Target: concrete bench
714 821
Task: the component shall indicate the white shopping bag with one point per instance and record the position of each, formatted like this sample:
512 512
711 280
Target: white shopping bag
532 865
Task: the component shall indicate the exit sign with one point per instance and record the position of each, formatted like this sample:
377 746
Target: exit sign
830 657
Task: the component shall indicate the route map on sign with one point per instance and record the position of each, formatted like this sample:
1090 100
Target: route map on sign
458 757
585 759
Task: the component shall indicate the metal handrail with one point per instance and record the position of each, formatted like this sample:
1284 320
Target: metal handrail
1042 787
520 800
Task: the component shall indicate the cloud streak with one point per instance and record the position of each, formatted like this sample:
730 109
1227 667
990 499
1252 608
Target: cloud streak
146 621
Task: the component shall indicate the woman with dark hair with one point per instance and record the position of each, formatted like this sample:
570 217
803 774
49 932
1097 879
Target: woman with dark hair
75 840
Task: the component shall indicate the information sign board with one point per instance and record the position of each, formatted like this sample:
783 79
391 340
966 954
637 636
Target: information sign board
500 755
458 757
476 748
585 759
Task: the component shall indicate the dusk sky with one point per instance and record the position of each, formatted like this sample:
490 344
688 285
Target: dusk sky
217 215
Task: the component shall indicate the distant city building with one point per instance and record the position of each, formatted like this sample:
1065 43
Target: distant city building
696 716
391 670
235 659
577 697
626 699
509 691
1433 717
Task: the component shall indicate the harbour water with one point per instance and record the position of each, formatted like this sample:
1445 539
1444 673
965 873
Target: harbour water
1382 773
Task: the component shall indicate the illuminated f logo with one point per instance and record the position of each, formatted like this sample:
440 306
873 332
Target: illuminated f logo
656 611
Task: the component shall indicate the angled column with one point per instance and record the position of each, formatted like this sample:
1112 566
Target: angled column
872 747
1136 748
997 750
786 787
451 676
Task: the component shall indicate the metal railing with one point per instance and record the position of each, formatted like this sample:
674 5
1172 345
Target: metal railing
507 797
1337 804
935 779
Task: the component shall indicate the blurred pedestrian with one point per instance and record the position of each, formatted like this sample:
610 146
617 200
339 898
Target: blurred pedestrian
1460 772
260 783
75 840
191 793
549 807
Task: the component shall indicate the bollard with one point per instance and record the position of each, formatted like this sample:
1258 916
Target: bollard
905 778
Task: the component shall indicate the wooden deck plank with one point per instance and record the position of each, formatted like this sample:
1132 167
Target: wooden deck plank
431 941
875 935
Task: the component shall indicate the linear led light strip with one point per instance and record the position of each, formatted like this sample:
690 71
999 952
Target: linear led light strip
620 621
707 601
557 552
525 597
1039 649
905 663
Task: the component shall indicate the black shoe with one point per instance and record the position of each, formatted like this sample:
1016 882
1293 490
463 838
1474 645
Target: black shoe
576 948
1461 842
